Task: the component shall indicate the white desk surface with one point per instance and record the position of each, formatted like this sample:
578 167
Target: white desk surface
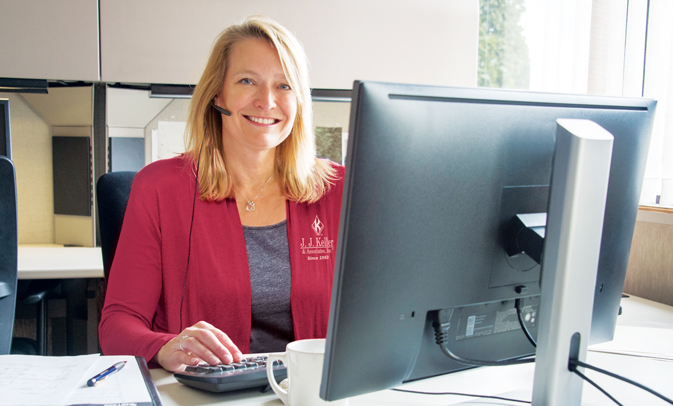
644 331
59 262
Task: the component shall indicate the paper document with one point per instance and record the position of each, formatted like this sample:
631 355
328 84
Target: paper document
27 380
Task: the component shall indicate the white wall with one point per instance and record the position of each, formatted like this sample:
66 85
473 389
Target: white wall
165 134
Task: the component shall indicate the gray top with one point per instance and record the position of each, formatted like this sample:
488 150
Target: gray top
271 284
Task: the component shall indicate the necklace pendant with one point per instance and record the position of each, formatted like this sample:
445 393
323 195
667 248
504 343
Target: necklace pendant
250 206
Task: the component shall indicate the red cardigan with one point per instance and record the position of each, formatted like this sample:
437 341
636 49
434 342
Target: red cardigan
142 304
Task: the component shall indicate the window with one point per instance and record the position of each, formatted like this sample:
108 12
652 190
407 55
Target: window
605 47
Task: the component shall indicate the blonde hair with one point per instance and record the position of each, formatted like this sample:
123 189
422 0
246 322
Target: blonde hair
305 178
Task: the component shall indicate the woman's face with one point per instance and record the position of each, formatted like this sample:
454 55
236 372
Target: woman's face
263 106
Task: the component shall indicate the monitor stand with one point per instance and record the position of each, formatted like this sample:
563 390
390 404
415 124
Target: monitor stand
579 185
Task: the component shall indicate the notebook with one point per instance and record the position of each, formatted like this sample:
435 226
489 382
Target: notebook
27 380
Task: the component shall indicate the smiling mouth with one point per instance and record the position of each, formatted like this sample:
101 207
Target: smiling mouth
265 121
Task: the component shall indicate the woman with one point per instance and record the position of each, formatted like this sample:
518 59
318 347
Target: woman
242 260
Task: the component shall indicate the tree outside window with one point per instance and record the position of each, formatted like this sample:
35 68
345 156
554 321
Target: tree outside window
503 52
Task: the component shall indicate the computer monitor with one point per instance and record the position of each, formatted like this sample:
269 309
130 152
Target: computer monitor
5 139
434 178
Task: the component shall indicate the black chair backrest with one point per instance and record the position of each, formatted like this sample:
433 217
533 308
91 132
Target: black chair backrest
8 253
112 193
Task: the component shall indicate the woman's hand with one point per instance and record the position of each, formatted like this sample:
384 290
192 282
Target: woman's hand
199 343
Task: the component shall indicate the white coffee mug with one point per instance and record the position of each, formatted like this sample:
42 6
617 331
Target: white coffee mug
303 360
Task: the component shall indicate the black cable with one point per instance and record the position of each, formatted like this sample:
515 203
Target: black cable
595 385
517 304
191 224
575 363
442 324
481 363
578 363
461 394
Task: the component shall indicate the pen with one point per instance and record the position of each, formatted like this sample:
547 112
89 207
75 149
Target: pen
115 368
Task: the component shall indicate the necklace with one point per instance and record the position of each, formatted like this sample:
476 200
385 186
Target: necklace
250 206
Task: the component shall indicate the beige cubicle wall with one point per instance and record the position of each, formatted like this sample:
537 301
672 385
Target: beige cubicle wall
426 42
49 39
35 119
160 41
650 270
168 41
31 153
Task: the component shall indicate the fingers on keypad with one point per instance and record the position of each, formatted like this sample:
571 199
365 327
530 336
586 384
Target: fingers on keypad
245 363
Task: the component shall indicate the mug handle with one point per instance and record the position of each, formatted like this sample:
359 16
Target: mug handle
282 393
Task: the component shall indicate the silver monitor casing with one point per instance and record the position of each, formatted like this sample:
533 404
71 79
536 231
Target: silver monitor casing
579 188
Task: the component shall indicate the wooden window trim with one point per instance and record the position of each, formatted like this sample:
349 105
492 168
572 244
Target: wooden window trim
668 210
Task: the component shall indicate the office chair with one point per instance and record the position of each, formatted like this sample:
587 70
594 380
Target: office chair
30 292
112 194
8 253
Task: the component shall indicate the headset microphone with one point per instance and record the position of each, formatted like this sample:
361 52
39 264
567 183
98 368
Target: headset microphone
220 109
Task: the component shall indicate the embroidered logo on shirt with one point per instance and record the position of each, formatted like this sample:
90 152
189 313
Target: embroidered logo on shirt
320 247
317 226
